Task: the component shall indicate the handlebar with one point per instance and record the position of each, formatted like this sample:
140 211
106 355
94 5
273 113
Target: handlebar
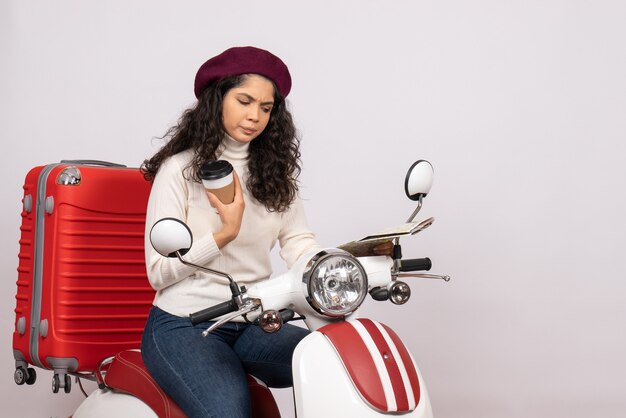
416 264
213 312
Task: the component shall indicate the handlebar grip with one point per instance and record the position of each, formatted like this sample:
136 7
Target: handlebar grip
416 264
213 312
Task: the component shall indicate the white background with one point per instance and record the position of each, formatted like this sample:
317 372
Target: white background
519 105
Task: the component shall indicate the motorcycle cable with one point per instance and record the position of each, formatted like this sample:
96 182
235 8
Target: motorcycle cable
80 385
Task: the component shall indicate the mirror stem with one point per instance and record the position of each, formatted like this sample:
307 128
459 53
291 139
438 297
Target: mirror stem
416 211
208 270
396 241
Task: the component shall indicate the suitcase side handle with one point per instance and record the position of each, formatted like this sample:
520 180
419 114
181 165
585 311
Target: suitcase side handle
93 162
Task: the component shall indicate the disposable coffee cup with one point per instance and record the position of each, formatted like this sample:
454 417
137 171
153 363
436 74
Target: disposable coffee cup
217 178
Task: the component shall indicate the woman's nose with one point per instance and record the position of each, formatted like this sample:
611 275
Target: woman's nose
253 113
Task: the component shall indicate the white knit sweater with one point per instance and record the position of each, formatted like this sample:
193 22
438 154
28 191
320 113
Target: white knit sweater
182 290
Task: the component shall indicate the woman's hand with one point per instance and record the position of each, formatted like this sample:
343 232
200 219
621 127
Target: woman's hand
230 214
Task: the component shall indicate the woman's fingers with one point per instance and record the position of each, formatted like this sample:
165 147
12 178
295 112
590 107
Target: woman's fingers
214 201
230 214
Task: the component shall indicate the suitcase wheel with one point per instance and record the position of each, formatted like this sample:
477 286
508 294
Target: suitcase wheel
32 376
20 375
23 375
56 383
68 384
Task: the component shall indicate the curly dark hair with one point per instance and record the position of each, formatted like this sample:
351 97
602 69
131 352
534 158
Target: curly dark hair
274 156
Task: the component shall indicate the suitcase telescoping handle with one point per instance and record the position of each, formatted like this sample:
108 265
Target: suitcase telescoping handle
93 162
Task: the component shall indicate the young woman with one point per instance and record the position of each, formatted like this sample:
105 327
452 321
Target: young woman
241 117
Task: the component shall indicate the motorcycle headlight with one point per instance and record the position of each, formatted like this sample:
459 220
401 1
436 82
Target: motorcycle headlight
336 283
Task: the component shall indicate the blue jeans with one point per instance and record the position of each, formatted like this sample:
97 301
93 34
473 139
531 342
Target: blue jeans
207 376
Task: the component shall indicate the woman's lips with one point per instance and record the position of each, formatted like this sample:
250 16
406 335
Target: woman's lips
248 131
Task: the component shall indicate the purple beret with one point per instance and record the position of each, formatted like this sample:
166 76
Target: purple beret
244 60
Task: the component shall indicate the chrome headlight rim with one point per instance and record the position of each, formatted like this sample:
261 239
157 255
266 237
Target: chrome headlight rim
320 257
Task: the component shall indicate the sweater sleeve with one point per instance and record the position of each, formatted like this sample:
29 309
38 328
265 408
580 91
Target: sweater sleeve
295 237
169 198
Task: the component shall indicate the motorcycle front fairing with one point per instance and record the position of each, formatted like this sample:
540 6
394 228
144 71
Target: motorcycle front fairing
359 368
289 291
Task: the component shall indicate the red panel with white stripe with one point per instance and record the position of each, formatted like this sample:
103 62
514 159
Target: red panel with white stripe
378 363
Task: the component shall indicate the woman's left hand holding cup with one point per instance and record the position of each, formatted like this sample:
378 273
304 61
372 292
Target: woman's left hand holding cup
230 214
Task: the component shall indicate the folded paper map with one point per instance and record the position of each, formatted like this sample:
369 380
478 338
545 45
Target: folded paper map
365 246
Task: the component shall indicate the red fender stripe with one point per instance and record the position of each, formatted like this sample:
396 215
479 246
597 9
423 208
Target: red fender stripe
399 390
357 361
408 362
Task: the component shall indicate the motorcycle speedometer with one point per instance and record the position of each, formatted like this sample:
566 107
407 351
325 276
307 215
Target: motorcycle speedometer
336 283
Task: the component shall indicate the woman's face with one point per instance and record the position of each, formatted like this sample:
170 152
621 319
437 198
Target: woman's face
246 108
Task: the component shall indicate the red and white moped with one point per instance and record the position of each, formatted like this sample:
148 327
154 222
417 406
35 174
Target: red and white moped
347 366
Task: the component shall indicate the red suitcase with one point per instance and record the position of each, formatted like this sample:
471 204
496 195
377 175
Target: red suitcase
82 290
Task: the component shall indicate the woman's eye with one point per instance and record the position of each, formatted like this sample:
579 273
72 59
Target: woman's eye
266 109
244 102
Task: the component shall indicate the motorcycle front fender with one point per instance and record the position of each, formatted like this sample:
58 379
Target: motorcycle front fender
341 371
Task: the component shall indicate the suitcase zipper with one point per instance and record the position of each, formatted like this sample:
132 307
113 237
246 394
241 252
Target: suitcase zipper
40 213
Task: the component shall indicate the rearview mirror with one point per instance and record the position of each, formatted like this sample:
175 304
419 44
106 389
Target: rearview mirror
169 236
419 180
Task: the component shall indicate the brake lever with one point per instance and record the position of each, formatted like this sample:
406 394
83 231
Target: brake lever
247 307
422 276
